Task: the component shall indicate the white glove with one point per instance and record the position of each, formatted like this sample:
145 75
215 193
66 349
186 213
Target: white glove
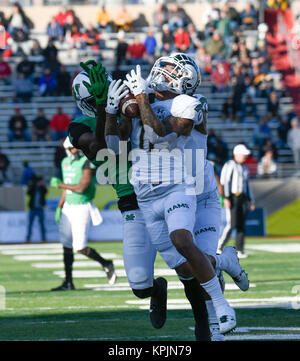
115 93
135 82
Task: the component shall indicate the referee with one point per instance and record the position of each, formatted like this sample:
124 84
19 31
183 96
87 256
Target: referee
237 197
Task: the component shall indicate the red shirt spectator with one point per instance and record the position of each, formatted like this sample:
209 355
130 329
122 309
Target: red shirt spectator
5 70
220 76
60 121
62 16
137 50
4 36
182 39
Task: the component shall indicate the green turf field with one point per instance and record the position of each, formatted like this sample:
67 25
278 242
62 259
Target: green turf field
97 311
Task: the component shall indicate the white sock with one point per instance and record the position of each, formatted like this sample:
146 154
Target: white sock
212 316
213 288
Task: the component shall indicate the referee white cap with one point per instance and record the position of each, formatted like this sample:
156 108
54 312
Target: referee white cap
241 149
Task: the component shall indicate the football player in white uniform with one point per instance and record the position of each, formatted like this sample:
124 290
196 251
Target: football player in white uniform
165 205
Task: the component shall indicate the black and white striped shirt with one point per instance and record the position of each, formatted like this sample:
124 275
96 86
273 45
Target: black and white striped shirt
235 179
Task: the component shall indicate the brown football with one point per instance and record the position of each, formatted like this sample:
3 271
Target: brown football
129 106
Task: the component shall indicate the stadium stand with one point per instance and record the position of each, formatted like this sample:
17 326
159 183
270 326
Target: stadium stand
41 153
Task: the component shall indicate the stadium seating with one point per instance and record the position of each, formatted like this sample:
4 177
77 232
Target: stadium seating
41 154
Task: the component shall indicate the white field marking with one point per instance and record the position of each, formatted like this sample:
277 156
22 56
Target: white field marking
120 273
98 338
276 248
147 301
254 328
69 308
80 264
278 336
42 257
30 246
172 285
50 251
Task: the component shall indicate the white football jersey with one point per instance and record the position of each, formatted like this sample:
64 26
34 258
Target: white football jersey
151 169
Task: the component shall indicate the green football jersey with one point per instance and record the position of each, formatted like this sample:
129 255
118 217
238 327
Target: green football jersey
72 171
121 189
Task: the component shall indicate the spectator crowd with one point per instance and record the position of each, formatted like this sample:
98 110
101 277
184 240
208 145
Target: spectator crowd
239 67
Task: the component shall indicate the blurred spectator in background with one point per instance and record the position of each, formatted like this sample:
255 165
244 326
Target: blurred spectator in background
123 19
220 77
63 79
249 16
59 155
59 123
204 60
5 72
91 38
273 104
181 39
27 173
150 45
177 17
4 164
262 132
248 109
18 23
55 30
136 52
223 25
40 127
26 67
5 42
167 40
121 49
62 15
238 84
47 83
50 51
283 128
36 49
268 145
160 16
251 164
73 37
23 88
229 110
37 200
18 129
217 146
293 140
3 20
104 20
267 166
196 38
215 45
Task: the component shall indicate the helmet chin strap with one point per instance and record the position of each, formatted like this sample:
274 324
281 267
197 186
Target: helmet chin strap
73 156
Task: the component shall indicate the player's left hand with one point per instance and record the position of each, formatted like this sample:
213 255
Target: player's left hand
58 213
116 92
54 182
98 79
252 206
135 82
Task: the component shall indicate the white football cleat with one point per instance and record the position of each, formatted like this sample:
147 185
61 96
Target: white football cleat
215 334
227 319
230 264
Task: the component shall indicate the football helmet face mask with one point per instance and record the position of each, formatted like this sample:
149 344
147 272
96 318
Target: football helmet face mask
84 100
178 73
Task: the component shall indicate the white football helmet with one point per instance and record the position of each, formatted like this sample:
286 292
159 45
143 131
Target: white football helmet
84 100
183 77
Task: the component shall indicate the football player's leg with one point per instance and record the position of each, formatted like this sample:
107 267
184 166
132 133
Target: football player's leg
138 254
81 220
206 231
180 212
65 233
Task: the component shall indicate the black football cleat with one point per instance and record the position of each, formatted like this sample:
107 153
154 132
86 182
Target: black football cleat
66 286
109 269
158 305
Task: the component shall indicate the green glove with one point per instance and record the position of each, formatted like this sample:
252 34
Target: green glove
88 65
54 182
222 201
58 214
99 84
